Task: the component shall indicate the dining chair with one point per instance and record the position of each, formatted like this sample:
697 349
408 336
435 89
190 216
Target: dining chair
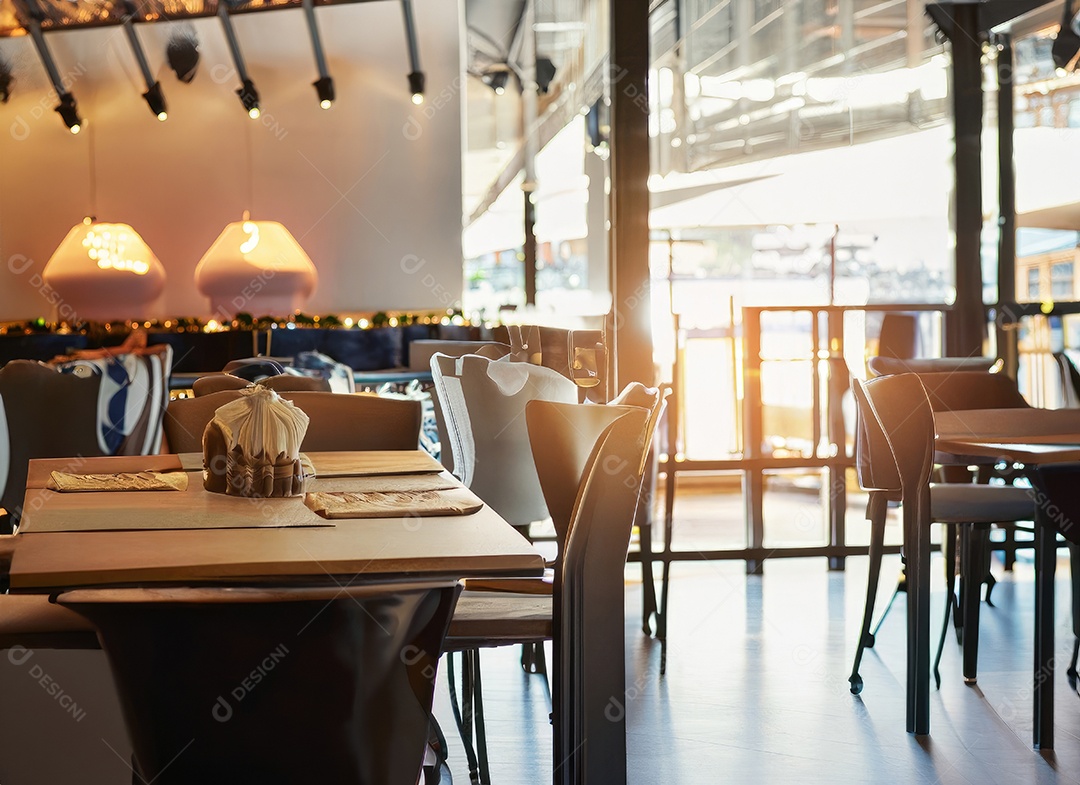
591 461
949 391
282 382
483 407
286 685
132 397
337 421
420 354
896 426
43 414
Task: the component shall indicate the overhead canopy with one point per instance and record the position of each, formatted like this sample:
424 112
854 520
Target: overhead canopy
903 177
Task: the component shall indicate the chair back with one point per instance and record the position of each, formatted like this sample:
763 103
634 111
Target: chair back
1070 381
589 588
961 390
43 414
886 366
903 413
132 396
874 462
337 422
283 382
252 685
483 406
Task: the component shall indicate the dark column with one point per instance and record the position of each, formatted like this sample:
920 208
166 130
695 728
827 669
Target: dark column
631 337
1006 320
965 324
529 249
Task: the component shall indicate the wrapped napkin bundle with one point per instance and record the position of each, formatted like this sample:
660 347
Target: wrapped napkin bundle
252 446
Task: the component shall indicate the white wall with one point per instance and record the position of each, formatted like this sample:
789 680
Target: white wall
363 186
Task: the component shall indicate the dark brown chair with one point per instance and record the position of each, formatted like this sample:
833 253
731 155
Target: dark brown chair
43 414
337 421
886 366
234 685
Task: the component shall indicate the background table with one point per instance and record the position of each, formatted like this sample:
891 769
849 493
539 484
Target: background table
1032 437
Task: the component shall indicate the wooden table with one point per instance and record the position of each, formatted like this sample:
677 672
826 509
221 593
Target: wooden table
480 544
1033 437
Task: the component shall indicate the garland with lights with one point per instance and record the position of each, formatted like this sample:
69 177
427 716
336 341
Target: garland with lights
242 322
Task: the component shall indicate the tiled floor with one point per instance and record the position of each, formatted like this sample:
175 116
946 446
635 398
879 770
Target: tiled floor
756 689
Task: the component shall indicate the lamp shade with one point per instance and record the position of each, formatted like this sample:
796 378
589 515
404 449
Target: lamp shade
257 267
103 271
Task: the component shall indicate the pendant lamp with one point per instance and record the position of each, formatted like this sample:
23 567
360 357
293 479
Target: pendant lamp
104 271
257 267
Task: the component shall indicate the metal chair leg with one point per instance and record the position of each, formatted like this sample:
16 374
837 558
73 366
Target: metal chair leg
463 715
973 567
478 715
948 546
877 509
1074 569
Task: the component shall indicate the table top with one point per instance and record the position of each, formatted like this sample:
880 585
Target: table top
480 544
1022 435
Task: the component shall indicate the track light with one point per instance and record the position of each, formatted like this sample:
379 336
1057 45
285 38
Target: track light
324 86
249 96
183 56
325 89
155 99
66 108
69 112
416 76
416 87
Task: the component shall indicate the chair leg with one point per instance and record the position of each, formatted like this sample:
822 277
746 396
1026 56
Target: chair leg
463 714
973 567
478 714
948 546
669 523
877 510
1074 569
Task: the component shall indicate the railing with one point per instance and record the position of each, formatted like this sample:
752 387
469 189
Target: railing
755 447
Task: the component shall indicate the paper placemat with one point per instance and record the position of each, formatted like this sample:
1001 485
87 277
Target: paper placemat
66 482
393 504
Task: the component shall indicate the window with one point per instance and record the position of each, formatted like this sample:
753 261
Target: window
1061 280
1033 283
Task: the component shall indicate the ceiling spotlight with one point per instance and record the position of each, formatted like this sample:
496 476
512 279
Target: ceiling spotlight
69 112
497 81
183 56
66 109
324 86
156 101
153 95
416 76
249 97
325 89
416 86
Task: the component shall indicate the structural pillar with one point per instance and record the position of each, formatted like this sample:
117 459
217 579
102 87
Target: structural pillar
966 322
630 323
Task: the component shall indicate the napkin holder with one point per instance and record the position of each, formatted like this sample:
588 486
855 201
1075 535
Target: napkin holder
251 447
